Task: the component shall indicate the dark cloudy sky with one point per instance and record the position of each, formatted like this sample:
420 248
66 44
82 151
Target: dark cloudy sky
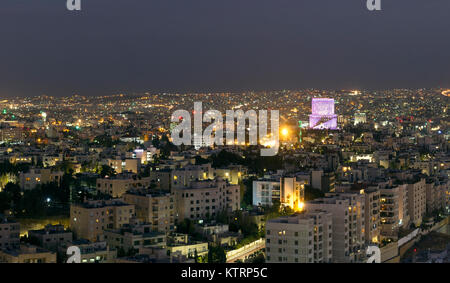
219 45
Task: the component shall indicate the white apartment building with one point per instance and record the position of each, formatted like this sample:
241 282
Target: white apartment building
204 199
393 209
348 229
417 200
89 219
154 207
265 191
372 215
172 179
371 196
34 177
300 238
118 185
435 195
287 190
128 165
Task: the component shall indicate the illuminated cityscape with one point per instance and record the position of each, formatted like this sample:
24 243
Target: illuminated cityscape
92 168
218 139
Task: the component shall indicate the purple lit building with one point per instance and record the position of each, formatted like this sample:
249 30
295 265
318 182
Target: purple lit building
323 116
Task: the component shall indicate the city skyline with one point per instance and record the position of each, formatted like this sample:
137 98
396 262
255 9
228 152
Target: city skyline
356 171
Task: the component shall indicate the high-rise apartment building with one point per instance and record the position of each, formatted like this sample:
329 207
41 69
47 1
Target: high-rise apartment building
417 200
372 215
348 229
393 209
303 237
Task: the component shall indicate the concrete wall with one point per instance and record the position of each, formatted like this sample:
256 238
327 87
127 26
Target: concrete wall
389 252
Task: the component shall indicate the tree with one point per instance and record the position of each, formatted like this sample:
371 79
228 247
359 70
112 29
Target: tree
216 254
222 217
259 258
225 158
247 188
186 227
107 171
5 202
146 171
104 140
166 146
200 160
13 190
244 224
311 193
6 178
155 142
65 166
121 252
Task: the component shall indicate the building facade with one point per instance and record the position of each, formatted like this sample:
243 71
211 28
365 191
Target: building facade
154 207
89 219
300 238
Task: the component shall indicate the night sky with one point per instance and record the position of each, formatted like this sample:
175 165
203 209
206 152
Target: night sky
116 46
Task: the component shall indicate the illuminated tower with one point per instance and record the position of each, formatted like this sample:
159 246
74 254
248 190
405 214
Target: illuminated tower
322 116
